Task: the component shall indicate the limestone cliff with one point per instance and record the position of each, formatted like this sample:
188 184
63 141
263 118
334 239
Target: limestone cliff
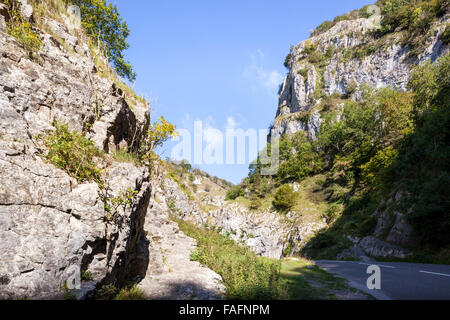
335 65
49 222
382 63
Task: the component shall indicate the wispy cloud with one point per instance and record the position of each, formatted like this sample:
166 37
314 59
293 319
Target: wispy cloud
259 76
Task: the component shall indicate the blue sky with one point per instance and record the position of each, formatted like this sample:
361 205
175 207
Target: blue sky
220 62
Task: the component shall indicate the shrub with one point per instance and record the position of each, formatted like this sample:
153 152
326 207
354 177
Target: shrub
374 170
130 293
255 203
445 37
21 29
72 152
303 73
351 87
284 199
288 61
234 193
156 135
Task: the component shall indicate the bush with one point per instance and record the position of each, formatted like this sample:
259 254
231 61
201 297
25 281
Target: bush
130 293
303 73
351 87
72 152
288 61
234 193
284 199
21 29
445 37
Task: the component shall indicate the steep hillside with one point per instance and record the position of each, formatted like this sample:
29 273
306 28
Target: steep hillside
355 110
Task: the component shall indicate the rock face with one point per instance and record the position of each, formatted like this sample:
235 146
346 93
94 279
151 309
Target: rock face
48 222
50 225
310 83
267 233
388 65
171 274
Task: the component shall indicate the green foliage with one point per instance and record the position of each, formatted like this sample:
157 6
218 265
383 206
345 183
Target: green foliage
445 37
351 87
125 291
375 172
123 200
86 275
234 193
422 167
288 61
72 152
102 21
186 165
284 199
298 157
413 16
130 293
303 73
327 25
21 29
157 134
245 275
106 292
331 213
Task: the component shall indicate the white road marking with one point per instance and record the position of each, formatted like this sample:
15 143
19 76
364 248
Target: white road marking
439 274
374 264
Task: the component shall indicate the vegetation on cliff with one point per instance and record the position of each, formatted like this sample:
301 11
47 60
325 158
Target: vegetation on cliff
388 142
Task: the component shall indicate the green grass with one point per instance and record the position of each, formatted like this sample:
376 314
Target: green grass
307 281
128 157
130 293
247 276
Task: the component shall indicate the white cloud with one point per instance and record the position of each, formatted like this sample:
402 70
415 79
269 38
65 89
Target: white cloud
255 72
231 123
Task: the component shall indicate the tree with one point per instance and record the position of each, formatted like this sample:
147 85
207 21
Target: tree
103 23
157 134
284 199
186 165
234 193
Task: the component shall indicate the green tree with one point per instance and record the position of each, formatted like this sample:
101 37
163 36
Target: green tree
157 134
284 199
102 21
234 193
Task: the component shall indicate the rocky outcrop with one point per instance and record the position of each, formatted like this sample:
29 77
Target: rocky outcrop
389 64
49 223
266 233
325 70
171 274
392 224
377 248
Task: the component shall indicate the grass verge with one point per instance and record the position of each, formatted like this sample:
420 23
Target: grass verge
247 276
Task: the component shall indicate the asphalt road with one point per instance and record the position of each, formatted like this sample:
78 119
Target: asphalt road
399 281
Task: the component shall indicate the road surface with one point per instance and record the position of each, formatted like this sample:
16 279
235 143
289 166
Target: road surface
399 281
